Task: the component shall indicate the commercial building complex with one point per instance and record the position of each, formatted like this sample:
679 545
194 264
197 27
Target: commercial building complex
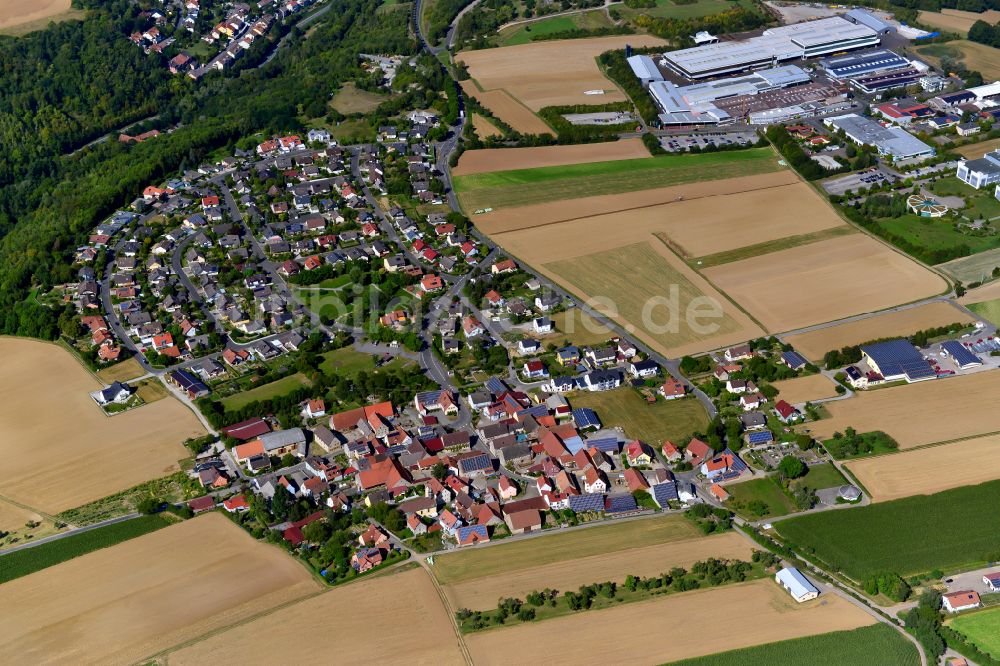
774 46
981 172
893 142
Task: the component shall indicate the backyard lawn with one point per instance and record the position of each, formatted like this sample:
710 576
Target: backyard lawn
759 498
266 391
674 420
982 629
346 362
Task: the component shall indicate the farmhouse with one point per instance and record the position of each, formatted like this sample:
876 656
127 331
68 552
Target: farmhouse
797 585
960 601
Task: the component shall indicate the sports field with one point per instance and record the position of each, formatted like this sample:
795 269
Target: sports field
379 620
195 577
939 410
954 529
550 73
805 389
929 470
674 420
468 565
981 628
640 560
956 20
980 57
875 644
901 323
750 614
45 406
506 108
832 279
488 160
523 187
650 292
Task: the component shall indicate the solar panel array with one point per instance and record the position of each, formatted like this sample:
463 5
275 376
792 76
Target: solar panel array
606 444
588 502
793 359
664 492
760 437
963 357
620 504
738 465
899 357
584 417
536 411
474 463
495 386
464 532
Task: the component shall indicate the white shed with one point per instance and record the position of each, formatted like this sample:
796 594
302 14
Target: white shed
797 585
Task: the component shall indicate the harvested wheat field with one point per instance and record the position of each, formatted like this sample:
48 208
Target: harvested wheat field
956 20
806 389
519 218
938 410
124 603
976 150
14 13
508 109
670 628
987 292
823 281
396 617
929 470
815 344
487 160
483 593
75 440
551 73
484 127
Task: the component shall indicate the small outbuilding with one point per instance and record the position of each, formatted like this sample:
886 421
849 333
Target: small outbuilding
797 585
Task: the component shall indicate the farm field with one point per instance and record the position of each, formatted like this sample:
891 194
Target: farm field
578 328
624 408
892 536
988 310
923 413
18 17
266 391
814 344
877 643
929 470
550 73
679 10
199 575
502 105
522 187
508 220
356 613
526 33
833 280
628 278
483 593
121 372
488 160
753 613
14 521
484 127
805 389
956 20
351 99
980 57
976 150
974 268
455 568
982 628
119 452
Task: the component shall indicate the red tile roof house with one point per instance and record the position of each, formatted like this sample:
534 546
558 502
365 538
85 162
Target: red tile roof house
528 520
236 504
202 504
786 412
293 534
960 601
366 559
671 389
373 536
670 452
719 492
697 451
505 266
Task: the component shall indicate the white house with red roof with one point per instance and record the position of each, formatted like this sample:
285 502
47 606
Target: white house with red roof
960 601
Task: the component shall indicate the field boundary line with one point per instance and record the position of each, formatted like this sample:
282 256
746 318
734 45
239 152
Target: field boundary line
770 247
449 610
43 514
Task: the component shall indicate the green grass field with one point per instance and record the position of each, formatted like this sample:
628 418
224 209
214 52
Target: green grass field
760 490
977 268
988 310
673 420
521 187
979 203
982 629
958 528
523 34
266 392
877 644
517 555
351 99
822 476
697 9
630 276
346 362
930 234
23 562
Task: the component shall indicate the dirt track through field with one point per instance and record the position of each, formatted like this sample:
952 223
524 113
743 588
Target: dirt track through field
823 281
488 160
932 411
676 627
814 344
929 470
120 604
483 593
805 389
59 450
391 618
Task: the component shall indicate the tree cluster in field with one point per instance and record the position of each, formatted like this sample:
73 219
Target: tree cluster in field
850 443
710 519
790 149
924 622
931 255
680 30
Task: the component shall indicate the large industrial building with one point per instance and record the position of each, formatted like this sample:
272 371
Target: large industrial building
981 172
776 45
894 142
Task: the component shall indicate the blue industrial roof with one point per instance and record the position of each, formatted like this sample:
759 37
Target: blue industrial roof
620 504
793 359
963 357
896 358
584 417
664 492
864 63
588 502
760 437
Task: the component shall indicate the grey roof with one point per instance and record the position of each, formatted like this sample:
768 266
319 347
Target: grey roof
796 582
894 141
644 68
281 438
866 18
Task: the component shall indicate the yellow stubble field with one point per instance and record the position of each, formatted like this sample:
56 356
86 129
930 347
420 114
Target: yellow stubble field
127 602
59 450
805 389
487 160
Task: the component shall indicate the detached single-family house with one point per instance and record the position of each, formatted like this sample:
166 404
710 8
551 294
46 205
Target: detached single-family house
960 601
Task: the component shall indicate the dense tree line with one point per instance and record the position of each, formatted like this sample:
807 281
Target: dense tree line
680 31
791 151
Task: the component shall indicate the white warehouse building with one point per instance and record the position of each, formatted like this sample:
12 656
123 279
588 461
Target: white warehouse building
981 172
797 585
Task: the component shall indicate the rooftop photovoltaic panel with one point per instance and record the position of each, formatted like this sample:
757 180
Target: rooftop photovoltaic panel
761 437
588 502
963 357
620 504
606 444
586 418
794 359
495 386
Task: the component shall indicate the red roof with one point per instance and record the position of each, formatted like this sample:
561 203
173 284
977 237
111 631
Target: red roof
247 430
784 409
235 503
202 503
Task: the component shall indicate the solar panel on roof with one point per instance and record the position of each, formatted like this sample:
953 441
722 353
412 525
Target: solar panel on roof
761 437
794 359
586 418
606 444
588 502
665 492
737 465
620 504
963 357
495 386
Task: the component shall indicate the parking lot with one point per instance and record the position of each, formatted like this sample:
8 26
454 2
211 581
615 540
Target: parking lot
856 181
682 142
